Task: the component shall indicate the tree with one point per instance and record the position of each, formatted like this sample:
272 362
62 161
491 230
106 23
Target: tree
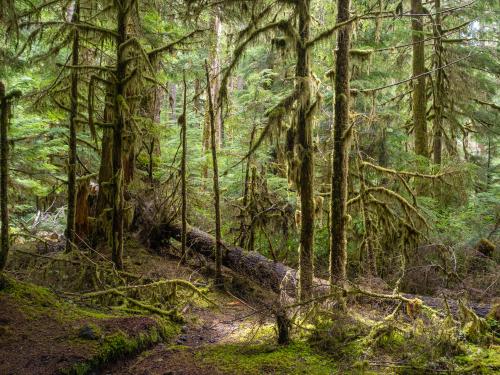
419 90
213 146
5 108
304 124
341 140
73 115
183 123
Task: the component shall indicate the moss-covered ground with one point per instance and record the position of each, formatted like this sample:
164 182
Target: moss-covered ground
46 332
42 333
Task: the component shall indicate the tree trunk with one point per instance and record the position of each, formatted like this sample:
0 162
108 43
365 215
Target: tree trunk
341 139
304 138
218 238
215 78
70 224
215 83
418 64
118 133
438 90
105 195
183 170
4 176
246 189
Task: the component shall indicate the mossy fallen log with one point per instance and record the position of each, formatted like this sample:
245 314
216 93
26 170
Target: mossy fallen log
275 275
261 270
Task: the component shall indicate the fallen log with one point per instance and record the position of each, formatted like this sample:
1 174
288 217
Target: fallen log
261 270
270 274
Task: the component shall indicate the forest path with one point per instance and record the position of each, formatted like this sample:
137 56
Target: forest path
205 326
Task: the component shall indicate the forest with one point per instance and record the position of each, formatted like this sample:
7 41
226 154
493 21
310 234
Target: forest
249 187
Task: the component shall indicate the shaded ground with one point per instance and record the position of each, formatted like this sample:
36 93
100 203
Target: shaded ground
40 334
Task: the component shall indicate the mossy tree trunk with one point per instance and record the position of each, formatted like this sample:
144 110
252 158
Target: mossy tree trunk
70 223
183 123
341 139
246 190
418 65
213 145
215 40
104 197
304 138
5 107
122 16
152 103
438 89
215 70
4 167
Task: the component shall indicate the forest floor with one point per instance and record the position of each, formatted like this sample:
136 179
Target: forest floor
42 332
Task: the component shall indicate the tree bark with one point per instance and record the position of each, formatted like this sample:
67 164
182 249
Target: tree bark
215 70
304 138
218 238
118 133
183 170
438 90
70 222
418 65
4 176
104 197
341 135
246 189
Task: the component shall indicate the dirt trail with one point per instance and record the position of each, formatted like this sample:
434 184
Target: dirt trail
204 327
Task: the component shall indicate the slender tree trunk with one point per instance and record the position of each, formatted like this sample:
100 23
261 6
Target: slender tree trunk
197 93
304 138
218 239
118 133
244 213
4 176
419 95
488 165
153 104
173 100
151 150
341 140
215 80
215 70
439 90
70 224
183 170
252 210
104 198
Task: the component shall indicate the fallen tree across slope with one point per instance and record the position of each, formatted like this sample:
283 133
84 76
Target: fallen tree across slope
274 275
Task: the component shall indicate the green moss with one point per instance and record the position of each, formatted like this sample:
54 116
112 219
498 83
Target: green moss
480 360
35 301
119 344
341 337
30 294
385 337
297 358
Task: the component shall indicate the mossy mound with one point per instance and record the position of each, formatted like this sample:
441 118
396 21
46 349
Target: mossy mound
247 359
